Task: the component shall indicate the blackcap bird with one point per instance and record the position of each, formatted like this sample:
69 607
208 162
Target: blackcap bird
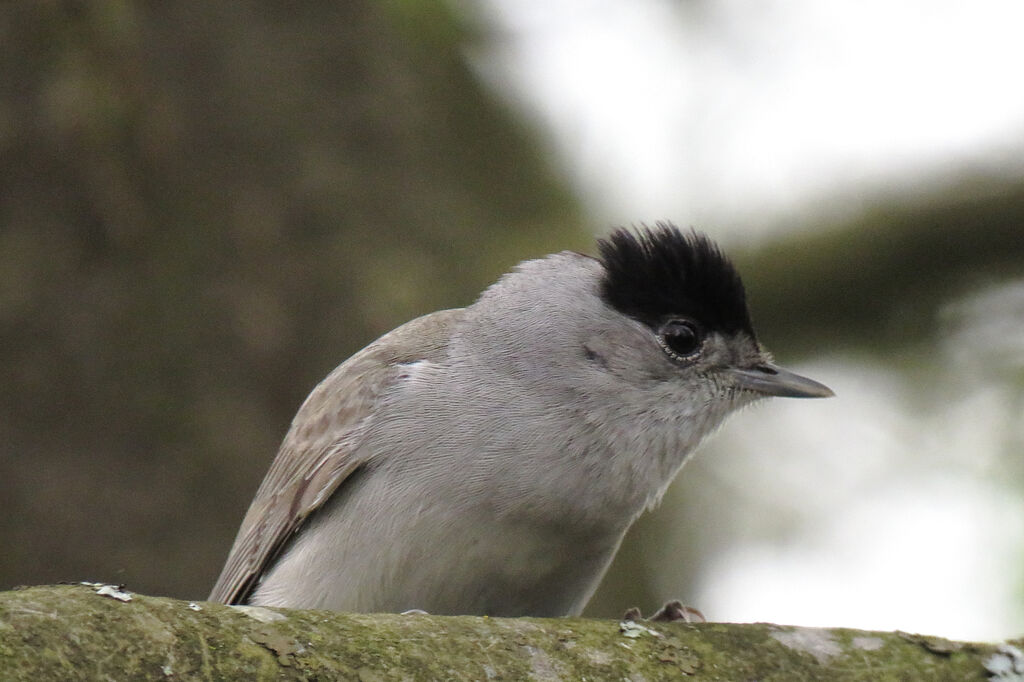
488 460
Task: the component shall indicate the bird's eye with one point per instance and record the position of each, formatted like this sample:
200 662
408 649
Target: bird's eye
681 339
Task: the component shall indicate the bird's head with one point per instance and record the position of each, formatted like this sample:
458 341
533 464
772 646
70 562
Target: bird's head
680 292
654 330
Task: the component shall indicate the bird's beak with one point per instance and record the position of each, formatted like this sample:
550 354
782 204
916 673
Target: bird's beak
771 380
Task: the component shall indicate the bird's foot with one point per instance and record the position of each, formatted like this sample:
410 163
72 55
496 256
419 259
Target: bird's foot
672 611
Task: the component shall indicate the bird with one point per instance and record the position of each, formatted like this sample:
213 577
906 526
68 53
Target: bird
488 460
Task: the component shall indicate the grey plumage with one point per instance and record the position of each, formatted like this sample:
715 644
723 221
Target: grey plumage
488 460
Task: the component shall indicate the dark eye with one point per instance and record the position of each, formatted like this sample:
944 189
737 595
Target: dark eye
680 338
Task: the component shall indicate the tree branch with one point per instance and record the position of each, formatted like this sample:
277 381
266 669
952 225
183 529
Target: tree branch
88 631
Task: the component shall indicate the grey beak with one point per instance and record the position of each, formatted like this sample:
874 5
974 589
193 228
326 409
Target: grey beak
771 380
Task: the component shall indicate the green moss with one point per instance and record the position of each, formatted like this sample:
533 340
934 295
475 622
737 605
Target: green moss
70 632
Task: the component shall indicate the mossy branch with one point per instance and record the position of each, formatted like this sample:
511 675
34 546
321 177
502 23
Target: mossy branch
88 632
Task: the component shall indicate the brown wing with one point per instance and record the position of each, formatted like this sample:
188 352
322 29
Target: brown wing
321 449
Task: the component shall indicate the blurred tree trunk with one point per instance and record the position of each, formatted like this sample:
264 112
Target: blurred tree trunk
204 208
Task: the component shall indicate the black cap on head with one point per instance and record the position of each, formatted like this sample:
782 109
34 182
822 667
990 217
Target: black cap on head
652 274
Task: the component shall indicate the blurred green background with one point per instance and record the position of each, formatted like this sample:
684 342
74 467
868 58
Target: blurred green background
205 207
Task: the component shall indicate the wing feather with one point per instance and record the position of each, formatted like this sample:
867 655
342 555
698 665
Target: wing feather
321 449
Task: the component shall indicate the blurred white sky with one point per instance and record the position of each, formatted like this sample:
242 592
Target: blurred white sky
892 517
734 116
735 113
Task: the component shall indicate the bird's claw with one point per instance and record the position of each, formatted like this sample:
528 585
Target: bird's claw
671 612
